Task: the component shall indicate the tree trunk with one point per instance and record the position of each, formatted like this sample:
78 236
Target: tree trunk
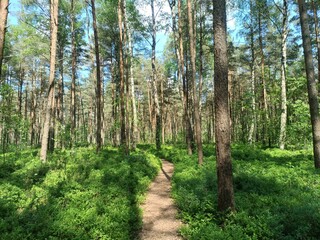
133 99
316 28
197 119
252 85
60 103
154 82
126 69
50 101
73 108
222 114
98 72
184 81
265 118
312 86
123 137
284 33
4 4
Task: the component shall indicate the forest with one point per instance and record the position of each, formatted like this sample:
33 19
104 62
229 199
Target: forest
95 94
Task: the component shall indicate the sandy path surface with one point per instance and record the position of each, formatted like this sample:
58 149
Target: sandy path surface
159 212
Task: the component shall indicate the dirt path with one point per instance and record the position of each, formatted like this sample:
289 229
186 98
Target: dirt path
159 212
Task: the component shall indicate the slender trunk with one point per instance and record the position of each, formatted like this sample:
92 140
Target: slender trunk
252 90
154 82
98 72
264 86
222 114
4 4
60 104
283 119
316 27
127 56
183 79
50 101
121 73
133 99
197 119
312 85
73 108
114 106
200 58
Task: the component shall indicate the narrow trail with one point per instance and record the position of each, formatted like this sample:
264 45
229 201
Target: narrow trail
159 211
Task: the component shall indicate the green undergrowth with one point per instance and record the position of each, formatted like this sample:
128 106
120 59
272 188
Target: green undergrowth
276 193
77 195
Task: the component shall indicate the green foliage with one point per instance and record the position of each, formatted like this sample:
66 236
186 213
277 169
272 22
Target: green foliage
76 195
276 194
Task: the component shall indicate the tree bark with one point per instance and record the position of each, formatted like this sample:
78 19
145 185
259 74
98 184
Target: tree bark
312 86
98 72
316 28
184 80
284 34
50 101
252 84
197 119
222 114
154 82
133 99
4 4
123 137
73 108
265 118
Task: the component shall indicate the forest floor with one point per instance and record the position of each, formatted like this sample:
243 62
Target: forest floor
159 211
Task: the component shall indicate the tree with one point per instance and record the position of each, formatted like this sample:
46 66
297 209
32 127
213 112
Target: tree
123 136
192 39
73 108
98 75
4 4
284 35
312 86
183 77
50 98
222 114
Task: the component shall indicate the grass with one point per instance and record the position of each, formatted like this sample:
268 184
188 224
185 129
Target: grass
83 195
276 192
77 195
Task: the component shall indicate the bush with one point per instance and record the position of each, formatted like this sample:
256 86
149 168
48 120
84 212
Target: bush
77 195
276 194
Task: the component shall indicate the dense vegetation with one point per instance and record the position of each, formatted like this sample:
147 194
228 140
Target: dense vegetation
83 195
77 75
276 193
76 195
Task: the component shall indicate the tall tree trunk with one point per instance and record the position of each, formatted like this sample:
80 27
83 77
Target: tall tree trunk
252 84
60 103
154 82
284 34
194 84
312 86
127 59
264 85
50 101
133 99
316 27
4 4
222 114
98 72
184 80
123 138
73 108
